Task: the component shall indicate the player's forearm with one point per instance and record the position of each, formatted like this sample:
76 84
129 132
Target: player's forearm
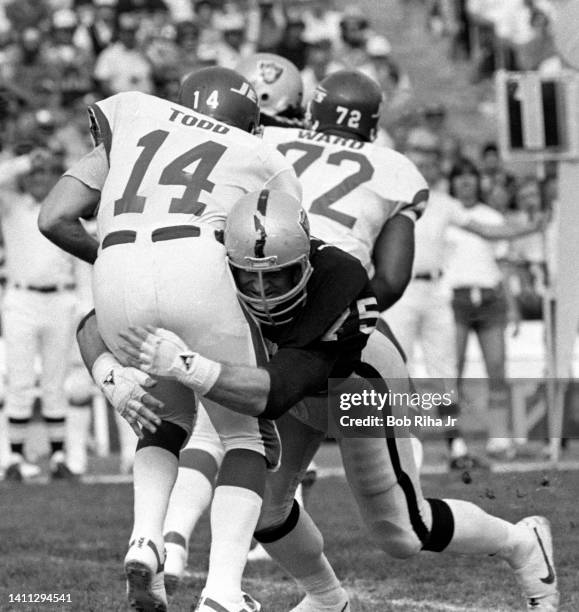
68 202
242 389
504 231
387 293
89 341
71 236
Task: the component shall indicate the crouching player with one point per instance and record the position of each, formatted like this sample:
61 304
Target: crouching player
317 314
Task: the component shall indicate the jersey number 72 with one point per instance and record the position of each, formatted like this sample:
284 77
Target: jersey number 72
322 205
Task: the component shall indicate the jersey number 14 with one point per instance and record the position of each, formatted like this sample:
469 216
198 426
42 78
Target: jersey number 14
207 154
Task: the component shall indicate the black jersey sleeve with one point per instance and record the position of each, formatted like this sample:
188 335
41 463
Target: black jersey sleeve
326 339
340 309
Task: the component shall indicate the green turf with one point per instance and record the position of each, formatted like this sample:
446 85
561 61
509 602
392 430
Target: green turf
71 539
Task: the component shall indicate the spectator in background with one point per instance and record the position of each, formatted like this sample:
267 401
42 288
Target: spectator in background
123 66
493 171
480 301
319 63
162 52
354 35
209 35
394 83
191 56
321 20
266 25
435 119
233 46
141 8
101 25
37 80
293 46
527 257
38 315
73 64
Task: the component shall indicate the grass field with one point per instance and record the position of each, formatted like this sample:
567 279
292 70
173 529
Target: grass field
71 539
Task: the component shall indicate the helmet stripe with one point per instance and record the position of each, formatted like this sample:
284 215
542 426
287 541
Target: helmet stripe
262 201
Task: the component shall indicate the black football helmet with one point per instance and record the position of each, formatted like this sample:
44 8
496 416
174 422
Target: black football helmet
346 102
223 94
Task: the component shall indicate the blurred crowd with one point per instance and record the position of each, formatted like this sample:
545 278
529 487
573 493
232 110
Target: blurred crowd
493 34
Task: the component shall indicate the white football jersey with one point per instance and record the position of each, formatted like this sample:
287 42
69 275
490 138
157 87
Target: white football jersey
169 165
350 188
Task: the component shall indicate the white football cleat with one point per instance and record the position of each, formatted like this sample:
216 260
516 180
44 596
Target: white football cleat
307 605
175 564
208 604
145 580
537 577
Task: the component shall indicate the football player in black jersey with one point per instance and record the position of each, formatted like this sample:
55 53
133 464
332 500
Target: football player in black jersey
318 314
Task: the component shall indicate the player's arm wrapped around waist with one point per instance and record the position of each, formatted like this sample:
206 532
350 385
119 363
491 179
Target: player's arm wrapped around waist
296 373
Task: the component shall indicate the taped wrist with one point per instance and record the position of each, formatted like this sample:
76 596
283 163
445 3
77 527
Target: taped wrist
198 373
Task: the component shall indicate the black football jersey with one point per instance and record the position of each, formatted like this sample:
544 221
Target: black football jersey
339 314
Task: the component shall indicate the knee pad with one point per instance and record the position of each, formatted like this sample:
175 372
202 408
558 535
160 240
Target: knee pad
201 461
442 528
267 535
169 436
397 541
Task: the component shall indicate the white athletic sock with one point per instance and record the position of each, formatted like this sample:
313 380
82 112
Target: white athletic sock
154 474
300 553
77 426
479 533
190 498
234 515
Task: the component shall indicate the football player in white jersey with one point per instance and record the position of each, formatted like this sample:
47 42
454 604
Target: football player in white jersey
279 89
164 180
361 197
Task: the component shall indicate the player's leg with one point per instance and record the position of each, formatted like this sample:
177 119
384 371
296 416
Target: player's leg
19 324
491 337
125 293
80 391
285 529
251 447
154 474
386 485
198 466
439 349
210 320
56 341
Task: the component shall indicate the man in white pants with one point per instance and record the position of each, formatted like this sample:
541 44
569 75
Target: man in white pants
37 315
423 315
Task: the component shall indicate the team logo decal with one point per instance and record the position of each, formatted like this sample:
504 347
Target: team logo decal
319 94
187 359
259 247
270 71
